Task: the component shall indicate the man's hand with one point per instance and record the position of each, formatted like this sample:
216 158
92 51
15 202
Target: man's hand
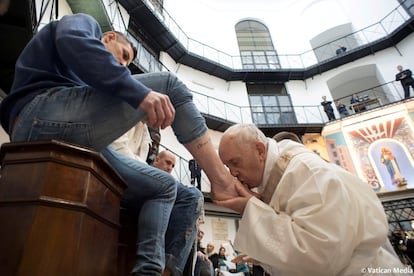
238 203
241 258
159 109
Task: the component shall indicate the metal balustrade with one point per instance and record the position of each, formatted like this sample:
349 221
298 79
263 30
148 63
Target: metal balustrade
385 27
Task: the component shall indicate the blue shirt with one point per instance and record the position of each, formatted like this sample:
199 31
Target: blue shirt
69 52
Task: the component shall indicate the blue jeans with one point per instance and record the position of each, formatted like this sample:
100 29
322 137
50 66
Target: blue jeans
148 197
83 116
182 228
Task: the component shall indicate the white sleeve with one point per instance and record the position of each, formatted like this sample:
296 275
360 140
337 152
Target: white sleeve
316 233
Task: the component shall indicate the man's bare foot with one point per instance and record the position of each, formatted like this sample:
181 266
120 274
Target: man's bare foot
225 191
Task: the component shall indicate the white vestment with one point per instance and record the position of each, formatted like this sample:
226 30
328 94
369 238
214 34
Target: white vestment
319 219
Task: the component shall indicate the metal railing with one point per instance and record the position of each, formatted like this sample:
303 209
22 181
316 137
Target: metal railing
386 93
181 172
392 21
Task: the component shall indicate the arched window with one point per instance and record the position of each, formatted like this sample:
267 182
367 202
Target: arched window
255 46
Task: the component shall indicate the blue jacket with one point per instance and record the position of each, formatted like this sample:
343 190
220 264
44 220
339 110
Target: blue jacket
68 52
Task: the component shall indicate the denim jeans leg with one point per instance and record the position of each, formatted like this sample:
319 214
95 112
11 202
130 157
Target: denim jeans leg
83 116
181 231
188 124
78 115
150 195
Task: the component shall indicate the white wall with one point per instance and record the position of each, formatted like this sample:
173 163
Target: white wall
303 93
291 23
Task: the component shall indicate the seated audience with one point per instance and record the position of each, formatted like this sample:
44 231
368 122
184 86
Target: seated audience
203 265
355 99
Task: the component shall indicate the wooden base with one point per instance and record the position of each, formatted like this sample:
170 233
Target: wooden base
59 211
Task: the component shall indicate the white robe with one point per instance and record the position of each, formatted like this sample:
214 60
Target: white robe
135 143
320 220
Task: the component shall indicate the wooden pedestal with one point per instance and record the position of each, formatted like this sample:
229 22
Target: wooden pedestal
59 211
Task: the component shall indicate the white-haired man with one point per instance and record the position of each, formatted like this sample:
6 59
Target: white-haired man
314 218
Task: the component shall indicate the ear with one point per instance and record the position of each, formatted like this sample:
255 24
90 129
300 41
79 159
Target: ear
261 149
108 36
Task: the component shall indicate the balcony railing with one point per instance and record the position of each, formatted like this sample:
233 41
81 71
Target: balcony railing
386 26
311 114
386 93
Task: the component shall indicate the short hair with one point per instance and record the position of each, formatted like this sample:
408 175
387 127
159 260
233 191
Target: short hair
124 38
286 135
164 153
246 132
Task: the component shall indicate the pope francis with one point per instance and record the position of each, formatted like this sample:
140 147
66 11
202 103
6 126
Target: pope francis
308 217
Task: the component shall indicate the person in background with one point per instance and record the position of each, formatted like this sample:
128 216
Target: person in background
221 259
406 79
203 265
72 84
209 249
195 171
343 111
355 99
300 232
327 107
341 49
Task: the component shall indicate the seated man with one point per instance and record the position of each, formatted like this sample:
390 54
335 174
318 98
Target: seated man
72 84
182 228
315 218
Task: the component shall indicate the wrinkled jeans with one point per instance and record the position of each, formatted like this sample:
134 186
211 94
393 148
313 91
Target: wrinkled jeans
182 229
153 183
83 116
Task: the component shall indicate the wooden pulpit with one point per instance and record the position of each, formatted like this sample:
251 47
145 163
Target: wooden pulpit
59 211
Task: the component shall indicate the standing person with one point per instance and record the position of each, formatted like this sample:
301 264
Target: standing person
195 171
72 84
315 218
343 111
406 79
327 107
341 49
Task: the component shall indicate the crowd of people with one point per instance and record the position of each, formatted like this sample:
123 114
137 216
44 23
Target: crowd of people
211 263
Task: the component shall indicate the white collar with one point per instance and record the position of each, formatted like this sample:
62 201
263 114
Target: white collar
273 153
